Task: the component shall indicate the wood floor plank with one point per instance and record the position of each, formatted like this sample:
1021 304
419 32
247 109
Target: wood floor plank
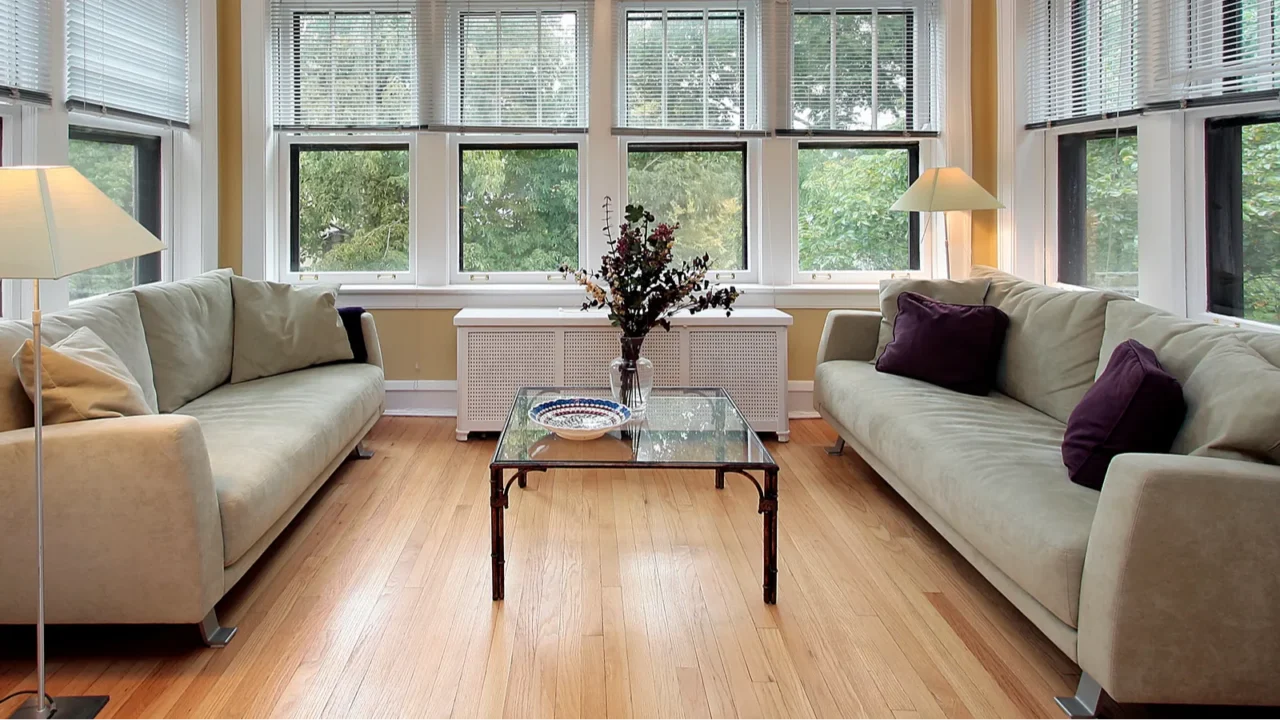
628 594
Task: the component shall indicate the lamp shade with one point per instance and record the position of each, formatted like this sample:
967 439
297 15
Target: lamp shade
943 189
56 223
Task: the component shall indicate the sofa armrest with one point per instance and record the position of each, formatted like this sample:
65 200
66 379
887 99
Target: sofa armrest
849 335
371 346
1180 599
132 529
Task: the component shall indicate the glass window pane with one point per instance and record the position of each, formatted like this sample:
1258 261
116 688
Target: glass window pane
844 217
1098 211
1260 195
685 68
519 208
352 209
855 35
113 168
701 187
811 70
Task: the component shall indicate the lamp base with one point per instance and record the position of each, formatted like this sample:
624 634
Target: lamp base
82 706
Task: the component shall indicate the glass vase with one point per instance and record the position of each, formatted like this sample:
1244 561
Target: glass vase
631 376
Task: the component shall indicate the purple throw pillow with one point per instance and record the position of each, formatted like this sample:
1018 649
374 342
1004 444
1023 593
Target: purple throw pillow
952 346
1135 406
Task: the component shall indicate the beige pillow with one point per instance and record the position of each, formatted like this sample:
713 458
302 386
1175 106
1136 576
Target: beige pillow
1233 406
280 328
955 292
82 379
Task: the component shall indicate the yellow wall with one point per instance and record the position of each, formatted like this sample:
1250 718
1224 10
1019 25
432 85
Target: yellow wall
422 344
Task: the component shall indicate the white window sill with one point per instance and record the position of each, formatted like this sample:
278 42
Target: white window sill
565 295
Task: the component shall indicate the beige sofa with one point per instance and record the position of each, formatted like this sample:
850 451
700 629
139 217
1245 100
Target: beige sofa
1164 587
152 519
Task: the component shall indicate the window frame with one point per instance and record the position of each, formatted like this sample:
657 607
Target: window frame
1070 235
330 142
453 52
926 228
160 156
459 144
752 247
754 74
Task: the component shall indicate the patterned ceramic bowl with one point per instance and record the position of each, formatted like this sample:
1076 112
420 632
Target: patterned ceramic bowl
579 418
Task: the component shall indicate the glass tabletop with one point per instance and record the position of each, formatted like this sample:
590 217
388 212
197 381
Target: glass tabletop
680 428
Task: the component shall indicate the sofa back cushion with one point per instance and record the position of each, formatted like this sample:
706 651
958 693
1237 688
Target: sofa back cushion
1224 397
189 326
280 328
1051 350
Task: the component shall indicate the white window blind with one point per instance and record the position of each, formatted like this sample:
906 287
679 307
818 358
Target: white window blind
1083 59
347 63
1214 49
688 68
24 50
865 67
523 66
129 57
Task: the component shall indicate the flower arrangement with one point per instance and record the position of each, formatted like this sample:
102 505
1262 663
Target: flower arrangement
639 282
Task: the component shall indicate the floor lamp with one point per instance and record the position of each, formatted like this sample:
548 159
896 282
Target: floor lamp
945 190
57 223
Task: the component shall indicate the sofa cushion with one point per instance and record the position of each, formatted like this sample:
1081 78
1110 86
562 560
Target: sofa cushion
81 379
16 411
269 439
117 319
990 466
952 346
956 292
188 326
280 328
1051 352
1234 395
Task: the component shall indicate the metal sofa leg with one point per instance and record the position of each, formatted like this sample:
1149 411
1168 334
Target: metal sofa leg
1084 704
360 452
213 634
838 448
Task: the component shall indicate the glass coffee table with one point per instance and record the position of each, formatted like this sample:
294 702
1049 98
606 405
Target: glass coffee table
682 429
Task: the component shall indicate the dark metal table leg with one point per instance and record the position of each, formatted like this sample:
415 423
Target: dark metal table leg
521 478
769 508
497 504
719 479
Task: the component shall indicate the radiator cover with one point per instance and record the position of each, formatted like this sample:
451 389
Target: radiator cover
500 350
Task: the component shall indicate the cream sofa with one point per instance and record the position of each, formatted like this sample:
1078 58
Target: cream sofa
1164 587
152 519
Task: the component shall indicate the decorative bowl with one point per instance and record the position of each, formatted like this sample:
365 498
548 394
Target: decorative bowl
578 418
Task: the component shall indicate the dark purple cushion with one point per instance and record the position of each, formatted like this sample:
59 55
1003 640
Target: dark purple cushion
1135 406
953 346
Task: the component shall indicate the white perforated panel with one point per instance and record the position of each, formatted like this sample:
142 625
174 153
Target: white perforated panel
743 362
588 353
499 363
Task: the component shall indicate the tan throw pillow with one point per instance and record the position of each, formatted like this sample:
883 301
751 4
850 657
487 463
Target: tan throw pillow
280 328
955 292
1233 406
82 379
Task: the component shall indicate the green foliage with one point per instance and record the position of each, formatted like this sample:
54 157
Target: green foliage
1261 194
112 168
844 215
353 209
1111 222
519 209
701 190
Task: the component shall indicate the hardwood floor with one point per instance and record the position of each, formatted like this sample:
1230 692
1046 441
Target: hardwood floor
628 594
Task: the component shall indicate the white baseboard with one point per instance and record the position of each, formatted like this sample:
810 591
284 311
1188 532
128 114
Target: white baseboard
439 398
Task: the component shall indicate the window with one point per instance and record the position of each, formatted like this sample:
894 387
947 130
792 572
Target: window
345 64
129 58
844 219
127 169
1082 58
689 67
518 207
865 66
703 187
1098 210
1222 48
1243 217
350 209
520 68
